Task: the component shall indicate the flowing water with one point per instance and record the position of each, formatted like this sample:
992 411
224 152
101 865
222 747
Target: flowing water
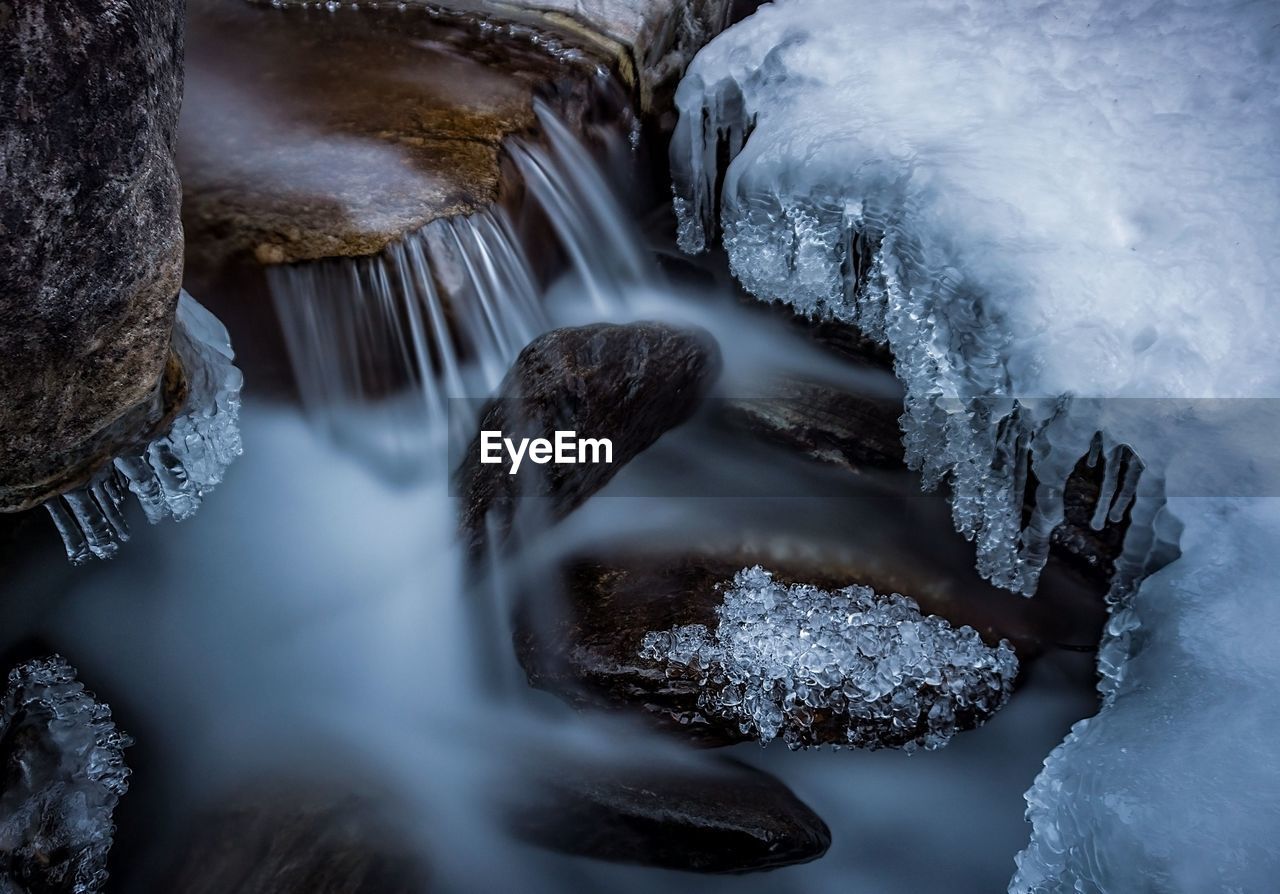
315 617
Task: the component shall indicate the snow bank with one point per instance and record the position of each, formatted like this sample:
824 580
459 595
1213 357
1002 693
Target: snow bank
1045 210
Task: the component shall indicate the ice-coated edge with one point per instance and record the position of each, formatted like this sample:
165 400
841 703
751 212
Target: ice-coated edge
845 668
56 831
858 262
171 476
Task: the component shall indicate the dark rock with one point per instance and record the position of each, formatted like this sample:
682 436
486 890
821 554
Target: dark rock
704 816
628 383
90 240
826 423
62 772
588 650
282 842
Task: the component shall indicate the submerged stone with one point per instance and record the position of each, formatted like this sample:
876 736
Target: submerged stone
286 841
91 254
704 816
63 771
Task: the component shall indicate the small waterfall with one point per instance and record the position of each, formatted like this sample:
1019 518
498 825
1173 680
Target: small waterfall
170 475
604 249
381 344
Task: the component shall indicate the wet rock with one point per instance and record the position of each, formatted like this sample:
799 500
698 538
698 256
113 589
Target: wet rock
650 41
627 383
705 816
62 772
315 133
284 842
587 646
90 239
826 423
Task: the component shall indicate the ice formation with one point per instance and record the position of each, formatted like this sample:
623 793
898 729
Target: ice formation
64 772
171 475
1044 209
1022 200
850 667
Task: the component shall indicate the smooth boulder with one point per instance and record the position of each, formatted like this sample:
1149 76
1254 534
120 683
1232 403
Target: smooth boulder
625 383
716 816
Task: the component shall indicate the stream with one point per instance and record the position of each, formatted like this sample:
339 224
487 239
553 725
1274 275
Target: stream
316 627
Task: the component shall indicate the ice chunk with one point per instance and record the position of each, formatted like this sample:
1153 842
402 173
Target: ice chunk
171 475
850 667
1175 785
1021 200
64 771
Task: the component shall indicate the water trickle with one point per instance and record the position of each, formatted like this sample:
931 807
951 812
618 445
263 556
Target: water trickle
380 344
603 248
170 475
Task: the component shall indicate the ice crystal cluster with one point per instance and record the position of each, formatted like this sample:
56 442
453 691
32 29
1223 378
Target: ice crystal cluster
1045 210
850 667
171 475
63 773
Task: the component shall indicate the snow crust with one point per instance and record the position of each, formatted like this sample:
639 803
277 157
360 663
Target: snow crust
850 667
1063 220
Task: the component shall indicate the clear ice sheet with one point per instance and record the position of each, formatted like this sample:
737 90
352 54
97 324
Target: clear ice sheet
845 668
172 474
64 768
1042 208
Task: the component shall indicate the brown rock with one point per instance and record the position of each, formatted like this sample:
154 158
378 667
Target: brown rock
310 133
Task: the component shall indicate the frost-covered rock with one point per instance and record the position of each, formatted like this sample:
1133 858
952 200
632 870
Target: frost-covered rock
1173 786
850 667
62 761
169 475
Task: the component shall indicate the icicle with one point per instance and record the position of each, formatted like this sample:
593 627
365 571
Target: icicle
170 476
